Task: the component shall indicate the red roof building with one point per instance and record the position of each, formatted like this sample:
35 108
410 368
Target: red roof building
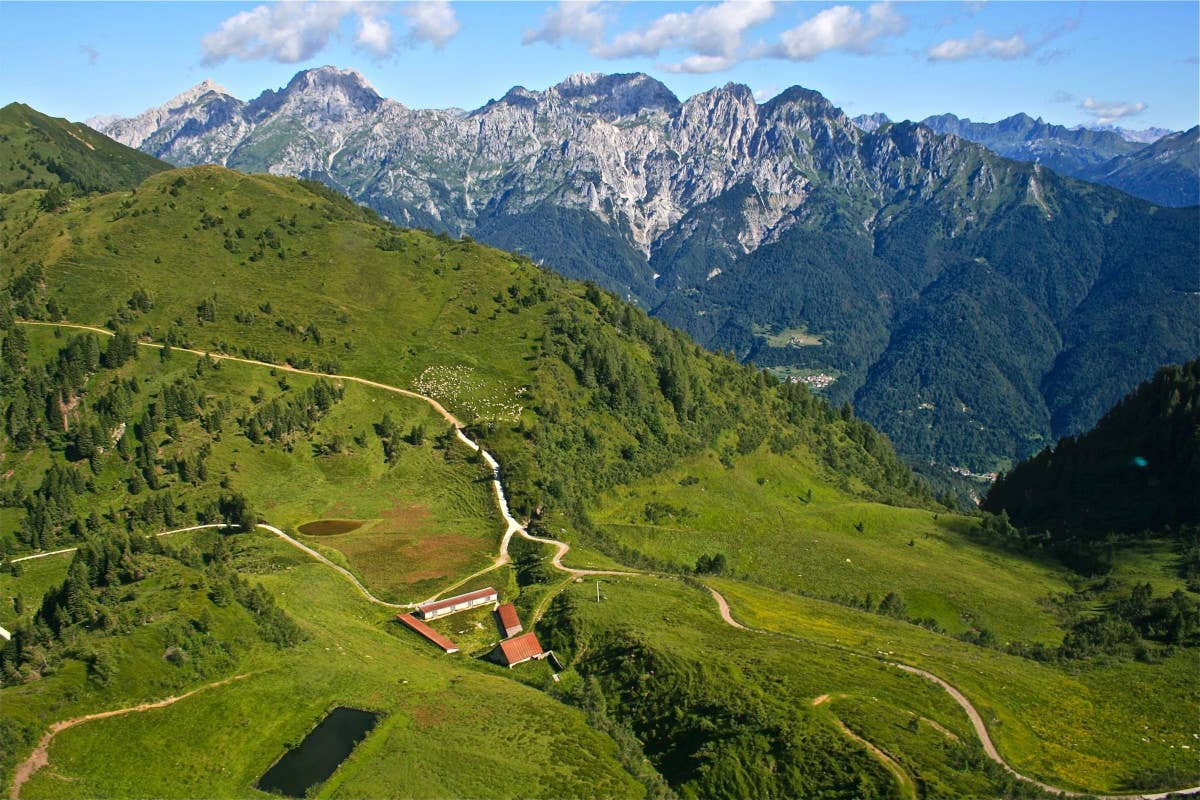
428 632
510 623
519 649
462 602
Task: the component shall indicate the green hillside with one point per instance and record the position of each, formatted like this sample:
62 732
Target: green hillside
613 433
572 390
37 151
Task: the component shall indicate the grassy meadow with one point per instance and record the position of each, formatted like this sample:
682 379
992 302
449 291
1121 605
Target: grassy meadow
451 727
781 522
270 269
1106 727
429 517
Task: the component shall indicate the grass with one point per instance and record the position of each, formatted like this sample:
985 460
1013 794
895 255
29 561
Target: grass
444 716
760 516
793 337
1089 727
431 515
681 626
474 631
438 314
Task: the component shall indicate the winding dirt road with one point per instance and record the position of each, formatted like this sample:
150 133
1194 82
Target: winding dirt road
981 730
561 549
512 525
40 756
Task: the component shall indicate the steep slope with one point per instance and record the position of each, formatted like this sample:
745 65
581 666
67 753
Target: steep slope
1068 151
748 224
280 270
602 419
37 151
1166 172
1136 470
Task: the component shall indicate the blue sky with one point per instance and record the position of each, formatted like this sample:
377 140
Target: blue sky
1133 64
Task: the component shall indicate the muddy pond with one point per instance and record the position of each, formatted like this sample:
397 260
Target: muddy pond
318 756
329 527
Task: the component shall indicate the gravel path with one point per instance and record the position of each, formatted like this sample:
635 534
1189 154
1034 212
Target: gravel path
40 756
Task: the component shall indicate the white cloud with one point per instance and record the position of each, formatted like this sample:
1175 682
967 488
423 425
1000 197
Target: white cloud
840 28
374 34
711 30
579 21
713 34
980 45
711 37
766 93
292 31
431 21
1108 112
702 64
286 32
1062 96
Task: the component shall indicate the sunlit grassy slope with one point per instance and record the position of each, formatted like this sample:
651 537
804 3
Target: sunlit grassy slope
451 727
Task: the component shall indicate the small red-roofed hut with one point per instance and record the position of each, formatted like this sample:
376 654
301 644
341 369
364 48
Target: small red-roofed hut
510 623
519 649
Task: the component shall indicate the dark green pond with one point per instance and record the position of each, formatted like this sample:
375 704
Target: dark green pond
316 758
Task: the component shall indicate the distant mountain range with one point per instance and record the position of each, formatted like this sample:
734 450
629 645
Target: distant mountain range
1154 164
971 306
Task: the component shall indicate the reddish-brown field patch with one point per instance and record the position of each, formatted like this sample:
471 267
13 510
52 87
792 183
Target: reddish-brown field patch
407 555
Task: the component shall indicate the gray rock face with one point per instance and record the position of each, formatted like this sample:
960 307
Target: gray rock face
621 147
940 277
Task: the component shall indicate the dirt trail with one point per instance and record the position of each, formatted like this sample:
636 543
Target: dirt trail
40 757
511 524
972 713
907 787
905 781
561 550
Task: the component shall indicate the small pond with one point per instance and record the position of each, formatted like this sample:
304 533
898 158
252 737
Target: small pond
329 527
316 758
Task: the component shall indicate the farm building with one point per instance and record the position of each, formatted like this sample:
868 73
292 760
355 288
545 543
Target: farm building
519 649
462 602
510 623
428 632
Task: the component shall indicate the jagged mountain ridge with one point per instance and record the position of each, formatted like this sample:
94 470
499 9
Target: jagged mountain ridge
1153 164
736 220
1167 170
622 147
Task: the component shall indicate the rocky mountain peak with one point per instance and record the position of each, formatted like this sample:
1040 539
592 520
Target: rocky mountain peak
206 86
618 95
332 94
798 95
871 122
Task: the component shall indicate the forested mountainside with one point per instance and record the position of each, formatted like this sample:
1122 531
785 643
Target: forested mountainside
49 153
779 231
273 269
1135 472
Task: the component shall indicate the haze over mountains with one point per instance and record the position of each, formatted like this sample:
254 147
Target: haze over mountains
1153 164
970 306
